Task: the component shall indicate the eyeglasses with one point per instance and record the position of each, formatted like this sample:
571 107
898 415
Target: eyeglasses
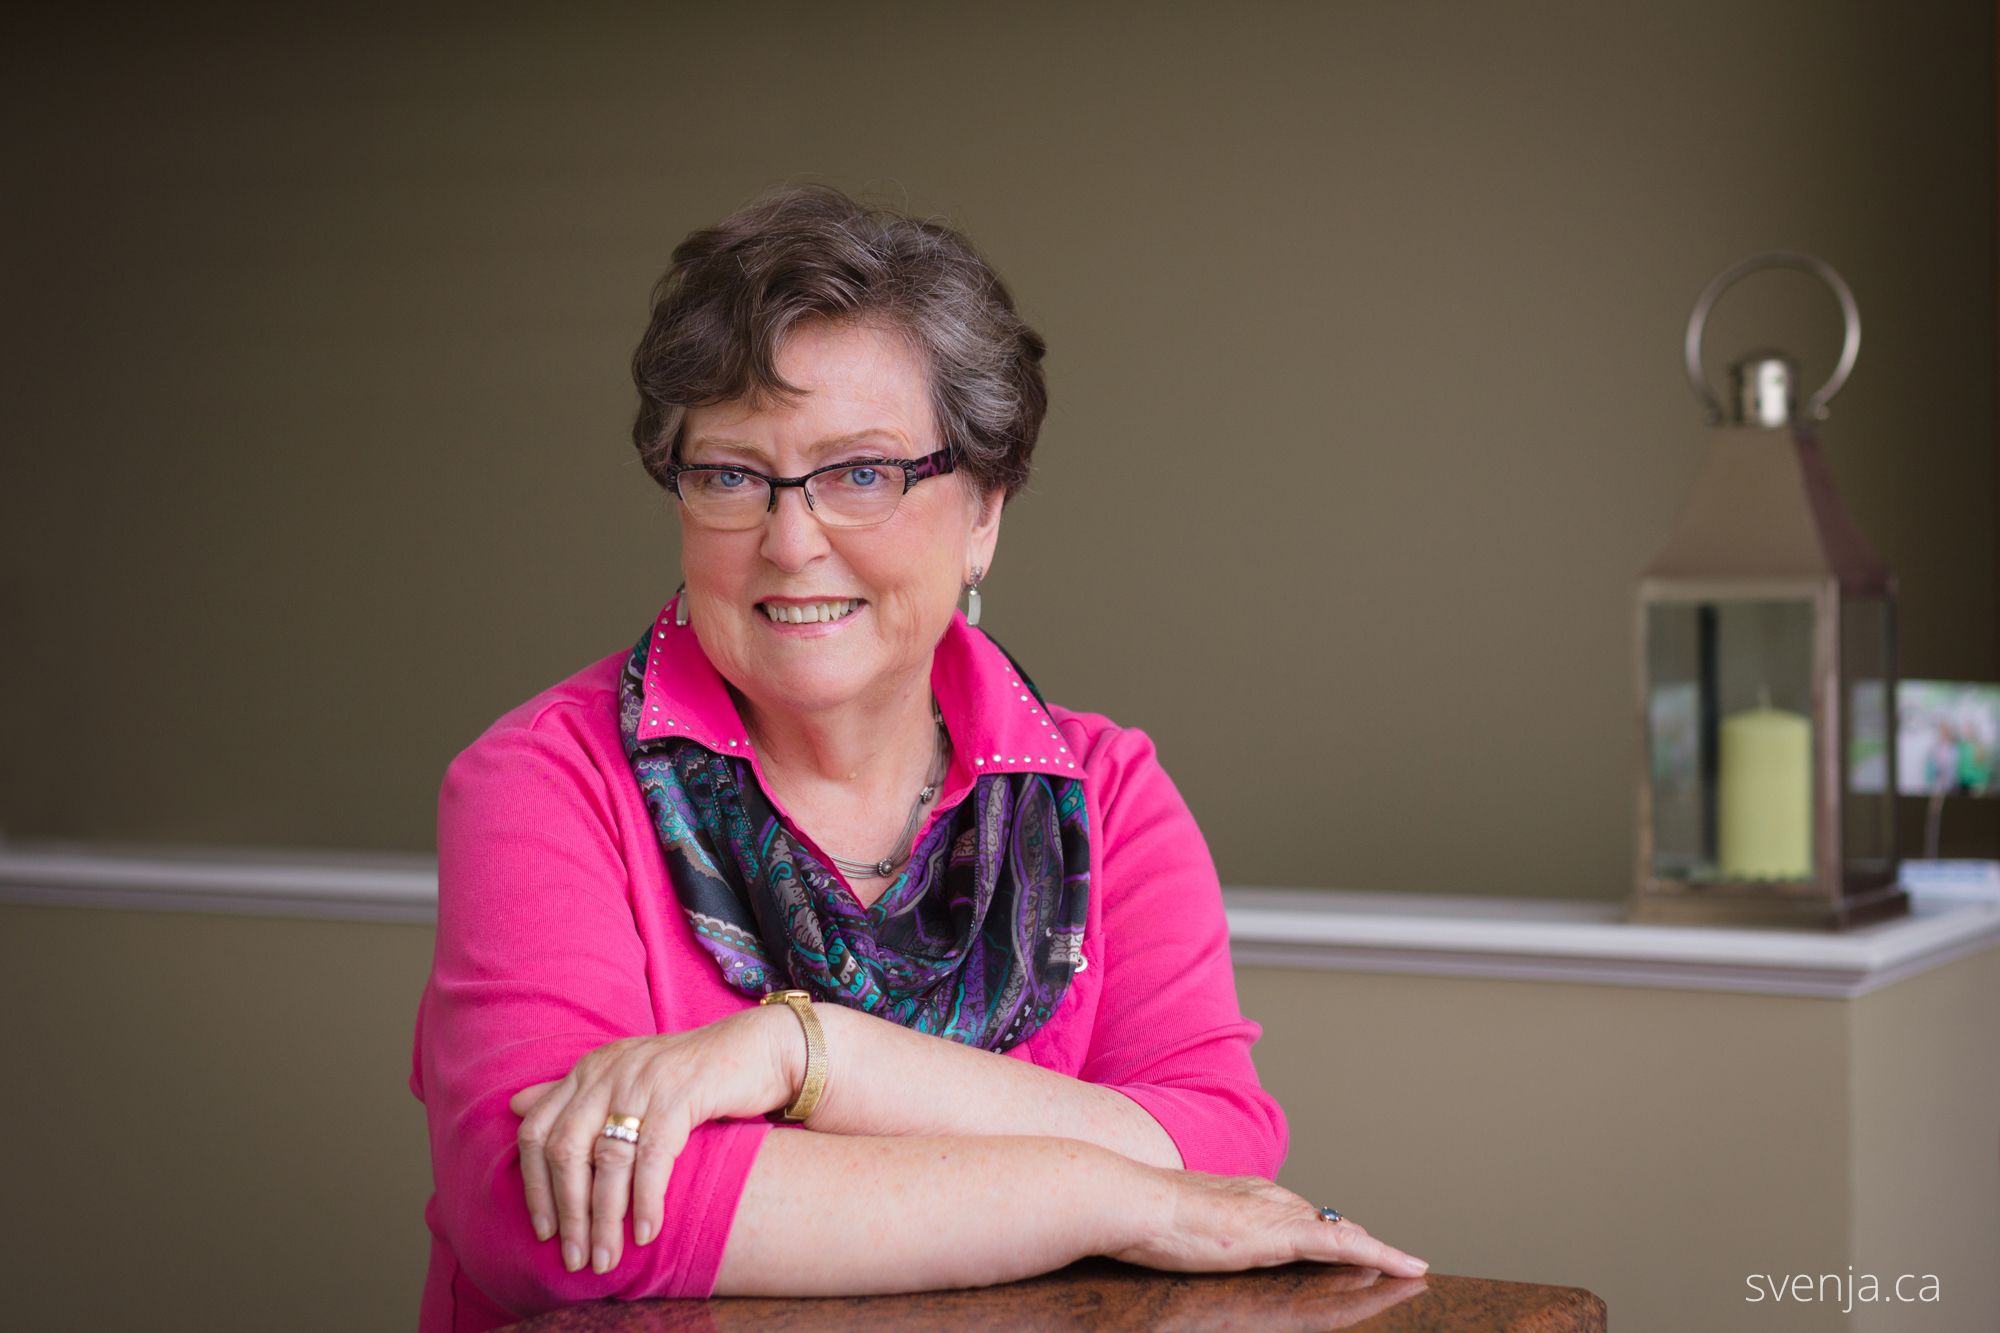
856 494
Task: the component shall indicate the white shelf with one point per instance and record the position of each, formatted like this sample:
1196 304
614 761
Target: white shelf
1591 941
253 881
1420 934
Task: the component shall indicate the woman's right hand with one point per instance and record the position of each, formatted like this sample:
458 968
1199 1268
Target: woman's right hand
1199 1223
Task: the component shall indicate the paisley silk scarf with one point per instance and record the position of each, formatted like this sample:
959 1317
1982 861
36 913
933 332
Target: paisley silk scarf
975 940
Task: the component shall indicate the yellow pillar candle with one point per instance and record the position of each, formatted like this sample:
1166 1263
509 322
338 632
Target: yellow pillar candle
1764 797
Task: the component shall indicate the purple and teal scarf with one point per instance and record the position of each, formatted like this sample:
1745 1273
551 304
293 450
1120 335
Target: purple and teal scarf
975 940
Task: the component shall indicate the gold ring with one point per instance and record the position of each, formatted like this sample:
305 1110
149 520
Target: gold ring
623 1127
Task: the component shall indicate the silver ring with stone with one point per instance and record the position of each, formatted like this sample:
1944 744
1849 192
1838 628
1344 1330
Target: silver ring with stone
1329 1214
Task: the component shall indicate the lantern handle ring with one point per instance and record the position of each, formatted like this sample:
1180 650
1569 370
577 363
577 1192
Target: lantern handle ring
1815 406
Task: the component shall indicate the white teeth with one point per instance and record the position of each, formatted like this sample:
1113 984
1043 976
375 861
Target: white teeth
810 614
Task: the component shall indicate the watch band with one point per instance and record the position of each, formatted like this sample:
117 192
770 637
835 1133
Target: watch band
814 1083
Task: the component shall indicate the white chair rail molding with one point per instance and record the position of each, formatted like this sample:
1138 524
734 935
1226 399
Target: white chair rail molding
1420 934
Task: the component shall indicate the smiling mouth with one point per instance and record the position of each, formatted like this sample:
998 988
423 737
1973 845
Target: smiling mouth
811 613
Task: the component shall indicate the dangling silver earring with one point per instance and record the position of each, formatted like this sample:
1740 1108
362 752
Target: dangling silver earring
681 605
972 596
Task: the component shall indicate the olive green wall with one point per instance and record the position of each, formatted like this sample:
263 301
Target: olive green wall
1364 322
316 404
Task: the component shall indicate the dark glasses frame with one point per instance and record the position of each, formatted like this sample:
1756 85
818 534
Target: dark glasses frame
914 470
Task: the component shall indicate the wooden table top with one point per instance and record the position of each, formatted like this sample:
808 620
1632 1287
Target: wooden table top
1103 1294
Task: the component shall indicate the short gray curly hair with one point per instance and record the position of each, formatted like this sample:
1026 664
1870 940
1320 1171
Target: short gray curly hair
806 252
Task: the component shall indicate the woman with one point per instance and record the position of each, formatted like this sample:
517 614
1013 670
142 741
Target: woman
1006 1032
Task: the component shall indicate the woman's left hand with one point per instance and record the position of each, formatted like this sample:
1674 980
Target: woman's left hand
580 1181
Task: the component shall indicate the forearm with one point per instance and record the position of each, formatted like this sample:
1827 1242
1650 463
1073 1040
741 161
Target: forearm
847 1215
884 1079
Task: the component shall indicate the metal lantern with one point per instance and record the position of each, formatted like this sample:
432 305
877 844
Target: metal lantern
1767 668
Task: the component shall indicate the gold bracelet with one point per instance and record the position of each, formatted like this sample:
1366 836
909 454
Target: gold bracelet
800 1003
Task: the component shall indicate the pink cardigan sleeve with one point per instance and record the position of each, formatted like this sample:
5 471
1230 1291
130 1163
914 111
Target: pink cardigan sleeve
538 961
1169 1034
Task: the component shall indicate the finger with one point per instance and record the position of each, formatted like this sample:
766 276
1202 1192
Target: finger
536 1180
660 1144
571 1152
524 1101
610 1188
1348 1242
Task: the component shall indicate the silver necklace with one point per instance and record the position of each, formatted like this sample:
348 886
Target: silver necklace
940 761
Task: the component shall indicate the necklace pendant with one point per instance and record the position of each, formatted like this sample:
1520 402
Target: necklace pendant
883 867
927 795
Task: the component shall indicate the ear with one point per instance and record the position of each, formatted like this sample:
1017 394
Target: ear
984 535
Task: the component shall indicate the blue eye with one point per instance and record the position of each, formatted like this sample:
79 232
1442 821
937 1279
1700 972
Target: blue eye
863 477
730 480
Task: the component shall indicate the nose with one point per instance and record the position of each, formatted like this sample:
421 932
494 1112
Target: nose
793 538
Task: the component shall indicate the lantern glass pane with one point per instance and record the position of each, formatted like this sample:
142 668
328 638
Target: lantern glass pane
1867 741
1730 739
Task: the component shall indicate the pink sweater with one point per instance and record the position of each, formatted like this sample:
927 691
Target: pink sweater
558 931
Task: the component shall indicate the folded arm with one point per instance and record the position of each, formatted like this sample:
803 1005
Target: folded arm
884 1079
844 1215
